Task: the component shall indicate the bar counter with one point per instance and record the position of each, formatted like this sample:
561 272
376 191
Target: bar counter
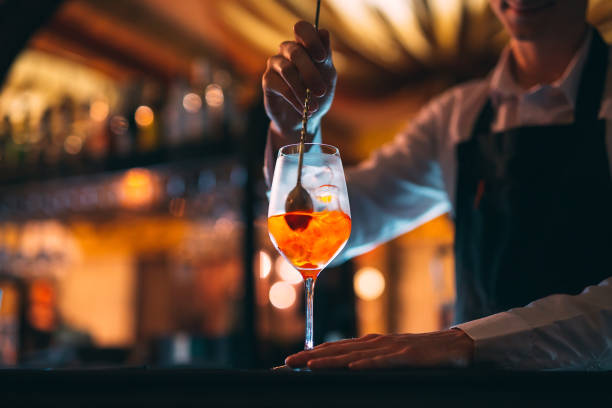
255 388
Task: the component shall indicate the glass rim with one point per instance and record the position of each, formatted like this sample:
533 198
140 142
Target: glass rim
332 150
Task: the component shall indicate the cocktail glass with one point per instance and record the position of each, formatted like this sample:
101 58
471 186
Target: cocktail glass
310 240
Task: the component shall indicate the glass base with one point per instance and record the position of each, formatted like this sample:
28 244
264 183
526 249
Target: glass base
287 369
301 370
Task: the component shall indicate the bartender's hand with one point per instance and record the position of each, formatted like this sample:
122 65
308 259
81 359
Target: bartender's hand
300 64
374 351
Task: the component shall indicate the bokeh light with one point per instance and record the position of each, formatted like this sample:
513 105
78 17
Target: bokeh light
144 116
265 264
282 295
214 95
369 283
137 188
98 110
286 271
73 144
192 102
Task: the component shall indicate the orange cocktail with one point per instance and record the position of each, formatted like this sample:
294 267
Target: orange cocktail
310 240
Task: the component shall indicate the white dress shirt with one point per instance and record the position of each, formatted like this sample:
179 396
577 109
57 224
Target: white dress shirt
412 180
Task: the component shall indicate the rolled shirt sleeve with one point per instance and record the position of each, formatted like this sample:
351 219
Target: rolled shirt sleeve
555 332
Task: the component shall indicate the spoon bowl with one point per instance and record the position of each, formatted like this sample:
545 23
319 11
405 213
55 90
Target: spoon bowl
298 201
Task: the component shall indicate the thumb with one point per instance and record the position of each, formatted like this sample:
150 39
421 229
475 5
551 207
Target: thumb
324 35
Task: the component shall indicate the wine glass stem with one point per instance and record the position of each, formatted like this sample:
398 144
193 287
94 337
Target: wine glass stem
308 343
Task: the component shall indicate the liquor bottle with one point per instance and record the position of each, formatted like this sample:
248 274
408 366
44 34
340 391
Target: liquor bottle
64 140
131 102
20 139
147 117
46 139
120 140
121 125
31 145
97 143
172 133
5 137
11 150
55 138
11 297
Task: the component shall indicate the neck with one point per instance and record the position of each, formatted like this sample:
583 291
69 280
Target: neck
544 60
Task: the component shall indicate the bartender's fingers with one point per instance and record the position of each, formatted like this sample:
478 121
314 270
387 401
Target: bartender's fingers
273 83
390 360
325 39
301 359
343 360
289 73
309 73
345 341
410 356
307 35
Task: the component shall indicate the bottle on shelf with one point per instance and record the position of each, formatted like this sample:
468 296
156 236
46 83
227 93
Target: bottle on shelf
98 140
46 136
146 116
7 157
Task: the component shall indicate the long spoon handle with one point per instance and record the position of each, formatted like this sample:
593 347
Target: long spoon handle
305 112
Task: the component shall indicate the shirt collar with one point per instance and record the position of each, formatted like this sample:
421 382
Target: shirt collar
503 85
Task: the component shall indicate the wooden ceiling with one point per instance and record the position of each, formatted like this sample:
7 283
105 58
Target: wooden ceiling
164 38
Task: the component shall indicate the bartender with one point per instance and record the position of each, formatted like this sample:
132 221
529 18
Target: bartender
521 159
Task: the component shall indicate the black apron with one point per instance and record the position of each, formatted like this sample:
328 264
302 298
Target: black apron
534 205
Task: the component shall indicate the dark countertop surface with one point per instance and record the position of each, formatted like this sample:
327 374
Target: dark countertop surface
254 388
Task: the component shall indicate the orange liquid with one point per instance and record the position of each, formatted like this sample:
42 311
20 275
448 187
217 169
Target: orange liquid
310 240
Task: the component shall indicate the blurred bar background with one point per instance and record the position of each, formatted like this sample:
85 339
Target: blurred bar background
132 203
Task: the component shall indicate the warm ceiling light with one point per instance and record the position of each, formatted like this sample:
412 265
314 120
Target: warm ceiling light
369 283
144 116
367 30
282 295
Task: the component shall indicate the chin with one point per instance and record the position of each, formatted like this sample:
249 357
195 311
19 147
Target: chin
528 33
527 28
528 20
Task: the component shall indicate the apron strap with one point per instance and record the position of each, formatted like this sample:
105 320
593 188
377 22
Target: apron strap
592 83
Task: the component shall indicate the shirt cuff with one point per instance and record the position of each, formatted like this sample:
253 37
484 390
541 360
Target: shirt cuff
500 339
